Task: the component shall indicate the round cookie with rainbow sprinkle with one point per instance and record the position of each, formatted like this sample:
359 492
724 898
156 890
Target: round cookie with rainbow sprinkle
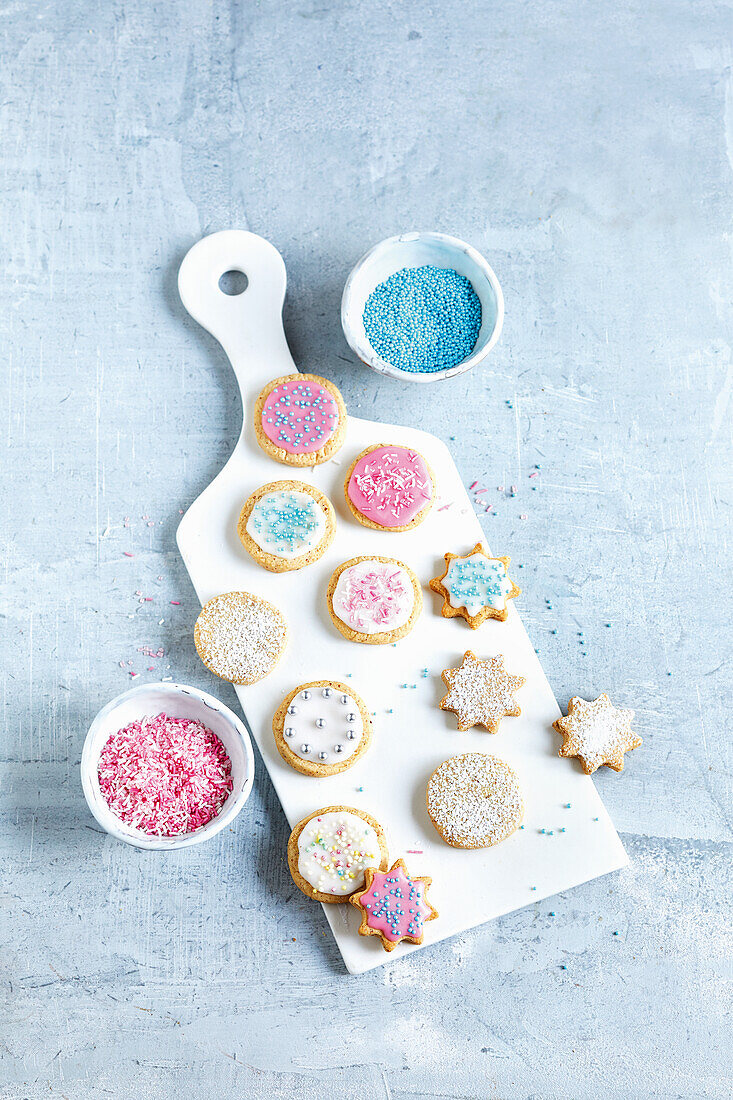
287 525
390 488
300 419
374 600
330 851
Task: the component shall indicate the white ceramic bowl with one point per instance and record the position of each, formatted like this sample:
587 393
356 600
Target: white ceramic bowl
416 250
177 701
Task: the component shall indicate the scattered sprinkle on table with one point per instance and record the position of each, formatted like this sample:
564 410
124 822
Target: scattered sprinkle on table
423 319
165 776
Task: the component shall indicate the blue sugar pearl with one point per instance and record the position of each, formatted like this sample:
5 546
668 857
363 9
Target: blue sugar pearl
423 319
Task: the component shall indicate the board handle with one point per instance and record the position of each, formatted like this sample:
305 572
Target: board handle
248 325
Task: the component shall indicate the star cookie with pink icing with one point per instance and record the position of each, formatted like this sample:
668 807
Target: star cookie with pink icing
475 587
480 692
394 906
597 733
300 419
389 488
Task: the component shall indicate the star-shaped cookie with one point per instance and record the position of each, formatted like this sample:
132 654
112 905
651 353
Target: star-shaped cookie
597 733
475 587
394 905
481 692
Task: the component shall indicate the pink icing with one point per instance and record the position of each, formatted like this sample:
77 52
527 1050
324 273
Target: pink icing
300 417
395 905
390 485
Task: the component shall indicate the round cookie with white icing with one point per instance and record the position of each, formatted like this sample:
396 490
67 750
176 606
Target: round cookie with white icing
286 525
330 850
240 637
300 419
475 587
374 600
322 728
390 488
474 800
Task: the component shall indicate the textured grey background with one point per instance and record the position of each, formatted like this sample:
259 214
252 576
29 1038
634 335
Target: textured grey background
586 149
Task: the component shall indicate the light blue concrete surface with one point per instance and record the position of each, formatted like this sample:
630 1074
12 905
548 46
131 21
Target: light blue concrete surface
587 150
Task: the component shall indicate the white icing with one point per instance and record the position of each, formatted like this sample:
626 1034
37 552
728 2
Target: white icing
287 523
333 851
342 725
477 581
374 597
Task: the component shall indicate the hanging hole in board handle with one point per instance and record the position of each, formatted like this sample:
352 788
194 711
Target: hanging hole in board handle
233 282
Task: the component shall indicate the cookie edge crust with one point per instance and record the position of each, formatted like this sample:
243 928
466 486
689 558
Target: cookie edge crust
475 847
374 639
278 613
272 562
474 621
303 885
308 767
362 519
309 458
494 727
365 930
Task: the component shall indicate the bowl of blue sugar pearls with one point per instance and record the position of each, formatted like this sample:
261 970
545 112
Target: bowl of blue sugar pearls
421 307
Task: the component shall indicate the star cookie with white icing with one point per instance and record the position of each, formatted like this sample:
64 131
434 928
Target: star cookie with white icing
475 587
597 733
481 692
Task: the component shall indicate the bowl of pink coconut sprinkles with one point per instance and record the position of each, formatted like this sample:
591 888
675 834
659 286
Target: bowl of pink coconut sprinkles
166 766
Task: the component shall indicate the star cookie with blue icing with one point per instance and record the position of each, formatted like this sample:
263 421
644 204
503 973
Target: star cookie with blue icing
597 733
475 587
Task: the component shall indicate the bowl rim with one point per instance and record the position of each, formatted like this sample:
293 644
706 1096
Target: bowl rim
119 829
367 354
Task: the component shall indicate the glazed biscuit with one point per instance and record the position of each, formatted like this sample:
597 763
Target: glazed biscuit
394 906
330 850
597 733
300 419
240 637
474 800
475 587
374 600
389 488
480 692
286 525
322 728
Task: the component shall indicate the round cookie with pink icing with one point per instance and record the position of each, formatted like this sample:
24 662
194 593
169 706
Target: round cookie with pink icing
394 905
390 488
300 419
374 600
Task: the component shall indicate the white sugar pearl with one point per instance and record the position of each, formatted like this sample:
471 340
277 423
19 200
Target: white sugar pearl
327 693
350 717
290 732
320 722
305 748
351 734
323 756
292 709
344 698
338 748
305 694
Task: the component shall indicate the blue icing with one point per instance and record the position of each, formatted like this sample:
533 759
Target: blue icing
476 582
287 523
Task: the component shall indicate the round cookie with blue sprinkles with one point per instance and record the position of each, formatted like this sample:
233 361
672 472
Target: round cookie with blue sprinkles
300 419
475 587
286 525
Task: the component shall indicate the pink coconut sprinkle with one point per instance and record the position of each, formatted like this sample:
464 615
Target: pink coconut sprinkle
165 776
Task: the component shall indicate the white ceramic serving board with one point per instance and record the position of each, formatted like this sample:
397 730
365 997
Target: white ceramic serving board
411 734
